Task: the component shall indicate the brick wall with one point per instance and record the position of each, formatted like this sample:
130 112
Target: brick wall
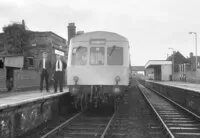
46 38
26 79
3 80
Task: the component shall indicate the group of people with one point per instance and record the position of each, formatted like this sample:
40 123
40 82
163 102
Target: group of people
49 70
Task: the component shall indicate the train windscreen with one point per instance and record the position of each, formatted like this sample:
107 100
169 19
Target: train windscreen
115 55
79 56
97 55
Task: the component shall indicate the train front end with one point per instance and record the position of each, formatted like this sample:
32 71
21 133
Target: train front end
98 68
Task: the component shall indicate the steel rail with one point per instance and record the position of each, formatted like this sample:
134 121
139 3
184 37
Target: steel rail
185 109
108 125
61 126
158 116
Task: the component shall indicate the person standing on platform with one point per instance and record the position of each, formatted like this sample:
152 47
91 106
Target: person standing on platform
45 67
59 68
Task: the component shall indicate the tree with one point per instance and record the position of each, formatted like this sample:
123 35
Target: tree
16 37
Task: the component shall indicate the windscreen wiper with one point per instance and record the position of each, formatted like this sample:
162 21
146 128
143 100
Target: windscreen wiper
76 50
113 48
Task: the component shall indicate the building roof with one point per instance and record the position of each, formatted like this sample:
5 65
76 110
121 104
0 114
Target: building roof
178 57
50 32
137 68
157 62
110 36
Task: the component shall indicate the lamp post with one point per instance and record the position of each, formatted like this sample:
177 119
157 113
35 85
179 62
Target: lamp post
195 34
172 62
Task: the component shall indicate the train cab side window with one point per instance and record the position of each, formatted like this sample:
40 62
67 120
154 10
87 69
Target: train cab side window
97 55
115 55
79 55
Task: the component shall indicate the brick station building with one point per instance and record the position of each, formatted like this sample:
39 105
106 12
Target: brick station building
44 42
23 71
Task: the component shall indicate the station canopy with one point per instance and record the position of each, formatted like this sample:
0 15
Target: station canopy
152 63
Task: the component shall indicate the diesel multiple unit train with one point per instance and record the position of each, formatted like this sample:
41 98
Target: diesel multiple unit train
98 67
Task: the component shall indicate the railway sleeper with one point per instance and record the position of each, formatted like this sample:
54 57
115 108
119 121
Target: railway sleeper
187 135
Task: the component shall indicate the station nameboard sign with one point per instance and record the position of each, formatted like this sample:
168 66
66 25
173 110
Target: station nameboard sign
58 52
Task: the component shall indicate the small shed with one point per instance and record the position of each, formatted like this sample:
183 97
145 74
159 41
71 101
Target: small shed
158 70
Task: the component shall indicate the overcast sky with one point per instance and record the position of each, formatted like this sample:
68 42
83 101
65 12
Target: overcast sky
151 26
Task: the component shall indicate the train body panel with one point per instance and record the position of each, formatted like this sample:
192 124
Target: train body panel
98 75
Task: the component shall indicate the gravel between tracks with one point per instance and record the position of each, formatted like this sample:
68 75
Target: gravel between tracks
141 117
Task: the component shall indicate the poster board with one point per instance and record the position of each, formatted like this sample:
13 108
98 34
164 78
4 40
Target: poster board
16 61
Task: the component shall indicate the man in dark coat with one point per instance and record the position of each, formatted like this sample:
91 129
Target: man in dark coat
45 68
59 68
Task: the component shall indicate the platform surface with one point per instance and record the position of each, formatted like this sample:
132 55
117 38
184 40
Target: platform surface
11 99
182 85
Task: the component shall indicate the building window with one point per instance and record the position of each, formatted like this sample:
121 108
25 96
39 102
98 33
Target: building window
30 61
1 63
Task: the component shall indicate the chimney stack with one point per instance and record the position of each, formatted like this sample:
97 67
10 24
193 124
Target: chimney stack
191 54
23 24
71 31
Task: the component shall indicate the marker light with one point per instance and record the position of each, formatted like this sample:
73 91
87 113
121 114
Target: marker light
76 79
117 79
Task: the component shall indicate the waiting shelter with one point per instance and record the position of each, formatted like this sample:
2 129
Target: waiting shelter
159 70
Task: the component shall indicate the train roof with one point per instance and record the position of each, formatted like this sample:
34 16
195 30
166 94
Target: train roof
109 36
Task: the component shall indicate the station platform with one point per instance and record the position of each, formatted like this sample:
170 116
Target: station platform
11 99
184 93
177 84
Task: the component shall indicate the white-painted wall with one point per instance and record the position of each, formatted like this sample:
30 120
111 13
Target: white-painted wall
150 73
166 71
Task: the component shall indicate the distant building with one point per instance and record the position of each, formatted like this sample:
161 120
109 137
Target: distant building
192 61
178 59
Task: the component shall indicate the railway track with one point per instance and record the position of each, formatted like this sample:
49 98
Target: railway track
90 124
177 121
83 125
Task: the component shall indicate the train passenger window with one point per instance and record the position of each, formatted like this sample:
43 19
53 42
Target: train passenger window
79 56
115 55
97 55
